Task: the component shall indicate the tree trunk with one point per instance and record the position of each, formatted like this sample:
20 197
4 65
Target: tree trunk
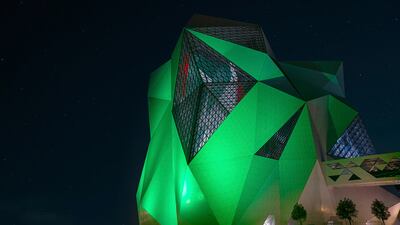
301 222
383 221
350 221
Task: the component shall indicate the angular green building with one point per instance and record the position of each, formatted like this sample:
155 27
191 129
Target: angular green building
238 137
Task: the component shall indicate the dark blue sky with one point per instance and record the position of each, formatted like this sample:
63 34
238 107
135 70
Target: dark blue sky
74 79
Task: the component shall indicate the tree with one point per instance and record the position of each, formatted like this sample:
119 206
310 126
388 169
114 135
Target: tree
379 210
346 210
299 213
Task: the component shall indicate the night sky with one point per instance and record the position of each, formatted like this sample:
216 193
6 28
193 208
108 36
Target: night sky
74 75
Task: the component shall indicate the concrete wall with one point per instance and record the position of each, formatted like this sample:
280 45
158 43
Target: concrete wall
320 200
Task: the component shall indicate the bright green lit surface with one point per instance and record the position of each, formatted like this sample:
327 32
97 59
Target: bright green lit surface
260 195
341 116
159 94
157 109
295 165
178 163
364 176
274 108
159 85
158 187
167 190
172 192
194 208
216 177
225 159
257 64
226 183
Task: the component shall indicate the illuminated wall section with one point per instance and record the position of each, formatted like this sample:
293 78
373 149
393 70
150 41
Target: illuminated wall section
382 169
235 134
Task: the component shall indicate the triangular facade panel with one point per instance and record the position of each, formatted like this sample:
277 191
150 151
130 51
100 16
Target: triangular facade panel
239 137
354 142
207 89
274 147
245 34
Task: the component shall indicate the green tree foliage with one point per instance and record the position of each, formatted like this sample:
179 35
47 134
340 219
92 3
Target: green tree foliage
379 210
299 213
346 210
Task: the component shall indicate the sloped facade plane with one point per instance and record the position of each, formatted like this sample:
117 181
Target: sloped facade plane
239 137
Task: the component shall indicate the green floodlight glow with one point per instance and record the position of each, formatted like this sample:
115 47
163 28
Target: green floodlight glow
235 133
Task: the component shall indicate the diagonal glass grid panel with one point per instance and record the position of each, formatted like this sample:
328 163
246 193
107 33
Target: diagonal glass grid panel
211 114
208 87
212 66
184 114
229 94
188 79
354 142
248 36
274 147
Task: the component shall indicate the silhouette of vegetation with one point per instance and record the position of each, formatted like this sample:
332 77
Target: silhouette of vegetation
379 210
346 210
299 213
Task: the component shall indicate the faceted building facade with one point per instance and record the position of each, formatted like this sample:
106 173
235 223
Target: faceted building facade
239 137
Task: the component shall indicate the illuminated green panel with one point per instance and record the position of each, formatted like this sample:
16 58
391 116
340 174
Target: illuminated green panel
340 117
235 136
194 207
266 202
157 109
159 85
179 164
226 182
312 83
175 62
260 195
341 114
159 94
259 115
331 70
157 140
274 108
361 167
298 153
257 64
225 158
222 181
158 186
